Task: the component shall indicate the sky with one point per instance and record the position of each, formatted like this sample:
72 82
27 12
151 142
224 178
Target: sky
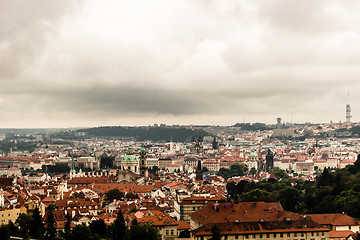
85 63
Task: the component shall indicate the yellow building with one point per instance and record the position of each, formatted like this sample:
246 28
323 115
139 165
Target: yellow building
10 214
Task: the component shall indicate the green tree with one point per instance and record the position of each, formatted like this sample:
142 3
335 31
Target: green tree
114 194
68 223
142 232
98 227
119 228
23 222
50 225
291 199
280 174
215 231
36 226
81 232
184 234
4 232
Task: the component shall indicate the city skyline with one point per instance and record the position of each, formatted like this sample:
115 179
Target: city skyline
86 64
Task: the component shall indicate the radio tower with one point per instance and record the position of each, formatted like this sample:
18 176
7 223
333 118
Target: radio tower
348 110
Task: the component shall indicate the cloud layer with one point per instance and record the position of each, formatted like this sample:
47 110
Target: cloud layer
90 63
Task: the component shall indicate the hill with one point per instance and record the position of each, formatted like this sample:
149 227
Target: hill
178 134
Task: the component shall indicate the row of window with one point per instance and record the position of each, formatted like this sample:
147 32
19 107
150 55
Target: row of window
171 231
301 234
9 214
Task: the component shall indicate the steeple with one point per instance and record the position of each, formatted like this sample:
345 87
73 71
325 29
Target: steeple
143 162
72 170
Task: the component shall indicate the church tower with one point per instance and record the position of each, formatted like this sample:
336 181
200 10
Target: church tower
72 170
269 160
143 162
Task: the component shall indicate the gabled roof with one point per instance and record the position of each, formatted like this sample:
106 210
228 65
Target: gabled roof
335 219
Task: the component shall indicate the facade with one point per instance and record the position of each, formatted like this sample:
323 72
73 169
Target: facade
10 214
254 220
252 161
183 208
130 162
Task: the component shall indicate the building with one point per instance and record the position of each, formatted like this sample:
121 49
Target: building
252 161
10 214
254 220
185 207
129 161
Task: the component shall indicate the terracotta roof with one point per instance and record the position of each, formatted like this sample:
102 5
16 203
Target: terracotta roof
340 234
182 225
302 225
335 219
242 212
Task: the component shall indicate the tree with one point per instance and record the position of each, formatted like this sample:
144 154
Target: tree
23 222
98 227
36 226
68 223
4 232
50 225
142 232
184 234
119 229
215 230
81 232
291 199
280 174
114 194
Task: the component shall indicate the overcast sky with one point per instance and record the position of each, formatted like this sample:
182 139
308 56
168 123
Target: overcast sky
139 62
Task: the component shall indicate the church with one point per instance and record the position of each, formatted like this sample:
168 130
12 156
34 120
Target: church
130 162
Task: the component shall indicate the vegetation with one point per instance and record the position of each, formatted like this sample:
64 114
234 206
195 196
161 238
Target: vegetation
57 168
252 127
96 231
335 191
114 194
215 231
6 146
147 133
235 170
106 161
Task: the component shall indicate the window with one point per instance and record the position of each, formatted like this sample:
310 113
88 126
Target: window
281 235
302 234
322 234
274 235
288 234
312 233
317 234
236 236
295 234
167 232
193 208
225 237
172 232
260 235
254 236
267 235
247 236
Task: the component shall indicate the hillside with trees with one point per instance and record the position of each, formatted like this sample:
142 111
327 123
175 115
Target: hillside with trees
335 191
180 134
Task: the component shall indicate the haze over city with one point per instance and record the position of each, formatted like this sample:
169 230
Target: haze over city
90 63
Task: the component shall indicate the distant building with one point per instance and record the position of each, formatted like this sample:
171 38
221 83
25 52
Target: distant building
283 132
269 160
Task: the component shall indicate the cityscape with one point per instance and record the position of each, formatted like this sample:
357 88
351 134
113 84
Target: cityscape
179 120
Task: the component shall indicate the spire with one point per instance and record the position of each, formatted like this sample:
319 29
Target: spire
72 170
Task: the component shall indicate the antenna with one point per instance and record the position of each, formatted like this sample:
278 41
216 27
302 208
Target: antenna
348 110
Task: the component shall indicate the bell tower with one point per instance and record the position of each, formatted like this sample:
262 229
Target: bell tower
143 162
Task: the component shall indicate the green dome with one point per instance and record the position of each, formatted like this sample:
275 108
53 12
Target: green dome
253 154
129 158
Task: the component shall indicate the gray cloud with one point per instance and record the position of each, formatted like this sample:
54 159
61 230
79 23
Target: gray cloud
89 63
